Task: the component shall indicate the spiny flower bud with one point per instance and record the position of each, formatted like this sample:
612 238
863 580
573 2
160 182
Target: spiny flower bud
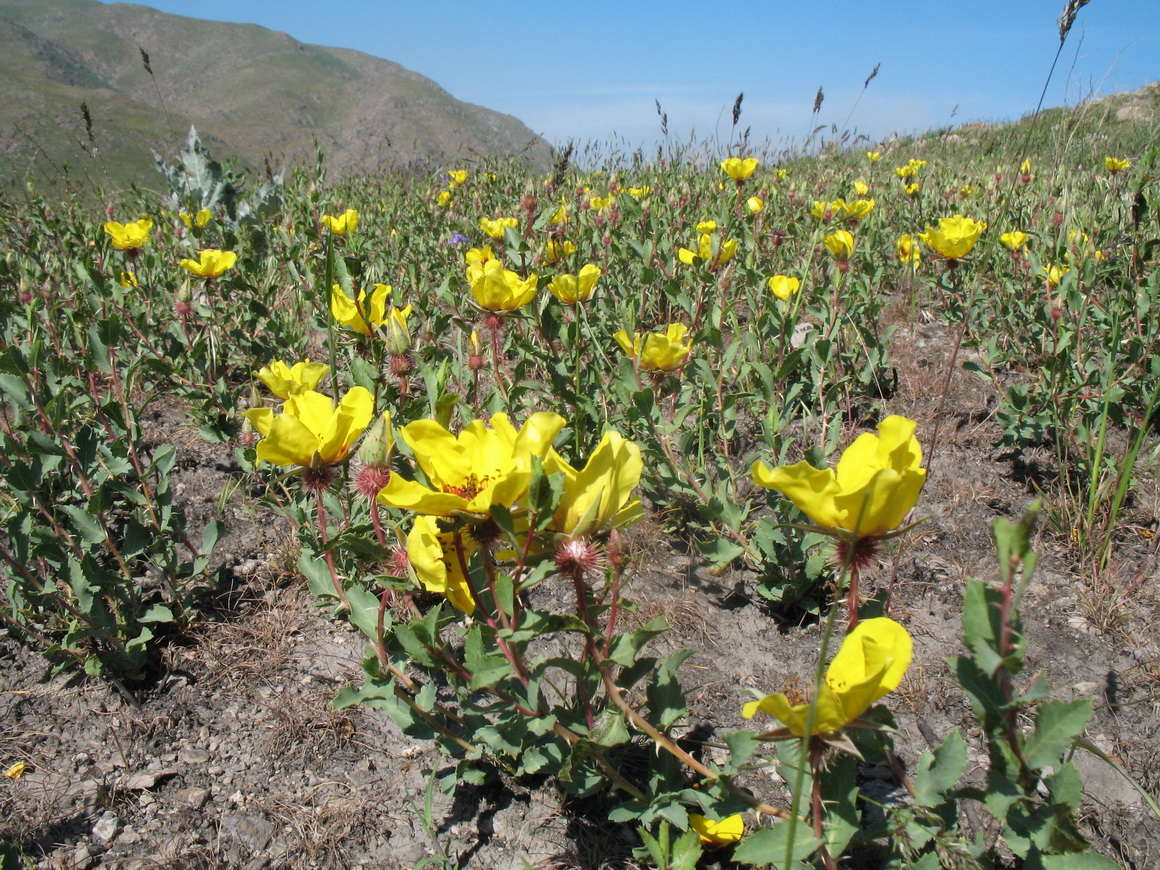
579 558
370 479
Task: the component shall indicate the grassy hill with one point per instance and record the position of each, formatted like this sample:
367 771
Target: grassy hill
252 93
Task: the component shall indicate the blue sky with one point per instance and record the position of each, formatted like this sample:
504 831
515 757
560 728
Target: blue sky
593 69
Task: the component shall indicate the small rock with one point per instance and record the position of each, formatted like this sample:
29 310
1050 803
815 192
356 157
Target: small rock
147 779
195 796
129 837
193 756
106 827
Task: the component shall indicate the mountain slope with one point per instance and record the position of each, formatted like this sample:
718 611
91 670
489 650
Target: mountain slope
252 93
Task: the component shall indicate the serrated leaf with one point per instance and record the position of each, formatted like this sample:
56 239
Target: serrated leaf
486 668
938 772
1057 724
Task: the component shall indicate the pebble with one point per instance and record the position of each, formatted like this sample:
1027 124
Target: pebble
193 756
195 796
106 827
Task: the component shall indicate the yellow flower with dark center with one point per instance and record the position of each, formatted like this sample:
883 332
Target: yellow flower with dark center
210 263
596 497
1014 240
495 228
840 243
871 663
571 289
658 351
285 381
706 242
1115 164
783 286
485 464
347 222
311 431
370 312
498 289
875 485
436 560
955 236
739 168
726 832
130 236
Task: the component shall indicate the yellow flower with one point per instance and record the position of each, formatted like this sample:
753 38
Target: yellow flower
861 188
434 557
495 228
571 289
457 176
874 487
755 204
904 171
855 210
915 164
1054 274
211 263
706 227
601 203
781 174
640 192
367 315
16 770
128 279
1014 240
1025 167
873 156
907 250
129 237
658 351
871 663
443 198
560 216
783 286
347 222
967 190
820 208
201 218
597 496
954 237
705 243
739 169
475 259
554 250
840 244
285 381
486 464
311 431
723 833
1115 165
912 189
498 289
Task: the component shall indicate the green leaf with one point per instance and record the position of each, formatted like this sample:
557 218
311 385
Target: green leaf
1056 726
1085 861
771 846
938 772
486 668
156 613
610 729
666 699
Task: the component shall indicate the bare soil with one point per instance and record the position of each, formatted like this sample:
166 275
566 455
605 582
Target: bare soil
231 756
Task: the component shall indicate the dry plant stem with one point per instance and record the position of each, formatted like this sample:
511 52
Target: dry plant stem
946 388
320 514
817 751
666 743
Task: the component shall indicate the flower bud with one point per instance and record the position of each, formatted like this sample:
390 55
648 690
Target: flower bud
378 444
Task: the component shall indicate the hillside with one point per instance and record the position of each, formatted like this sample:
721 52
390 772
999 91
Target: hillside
252 93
